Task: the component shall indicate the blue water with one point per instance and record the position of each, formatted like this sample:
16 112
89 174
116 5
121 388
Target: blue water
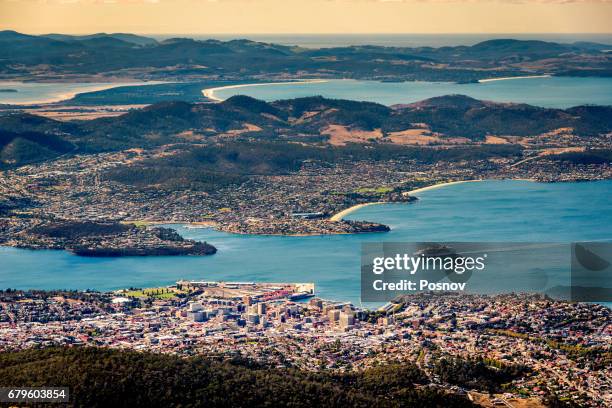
39 92
555 92
552 92
510 211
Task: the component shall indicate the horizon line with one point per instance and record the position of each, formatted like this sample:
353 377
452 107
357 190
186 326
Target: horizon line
309 33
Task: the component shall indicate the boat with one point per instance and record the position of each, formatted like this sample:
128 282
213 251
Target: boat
300 295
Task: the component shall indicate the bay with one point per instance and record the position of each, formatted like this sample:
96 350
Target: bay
508 211
48 92
549 92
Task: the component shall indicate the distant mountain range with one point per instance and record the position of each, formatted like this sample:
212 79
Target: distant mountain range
124 37
23 55
26 138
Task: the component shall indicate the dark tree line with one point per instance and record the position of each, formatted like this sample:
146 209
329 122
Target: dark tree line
480 374
112 378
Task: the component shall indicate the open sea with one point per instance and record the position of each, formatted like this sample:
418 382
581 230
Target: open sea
506 211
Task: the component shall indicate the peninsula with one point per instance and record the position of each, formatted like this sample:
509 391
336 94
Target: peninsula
210 93
100 239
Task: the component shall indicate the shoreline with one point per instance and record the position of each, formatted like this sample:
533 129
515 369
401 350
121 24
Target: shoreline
481 81
336 217
215 226
340 215
210 92
60 97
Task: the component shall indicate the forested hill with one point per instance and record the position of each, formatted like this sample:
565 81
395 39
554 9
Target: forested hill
25 138
111 378
21 54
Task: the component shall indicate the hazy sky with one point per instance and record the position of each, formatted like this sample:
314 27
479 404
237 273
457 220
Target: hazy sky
307 16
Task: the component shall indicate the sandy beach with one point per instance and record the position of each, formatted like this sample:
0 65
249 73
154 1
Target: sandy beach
515 77
344 213
435 186
339 216
210 92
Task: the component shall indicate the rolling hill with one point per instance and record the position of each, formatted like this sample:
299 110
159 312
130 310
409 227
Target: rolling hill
240 59
100 377
306 120
125 37
18 149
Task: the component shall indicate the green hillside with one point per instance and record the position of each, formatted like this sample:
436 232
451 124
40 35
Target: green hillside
110 378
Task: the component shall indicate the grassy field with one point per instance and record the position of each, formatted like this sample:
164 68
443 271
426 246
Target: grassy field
157 293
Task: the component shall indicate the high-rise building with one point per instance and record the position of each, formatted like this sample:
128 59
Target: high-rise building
194 306
334 315
261 308
346 319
